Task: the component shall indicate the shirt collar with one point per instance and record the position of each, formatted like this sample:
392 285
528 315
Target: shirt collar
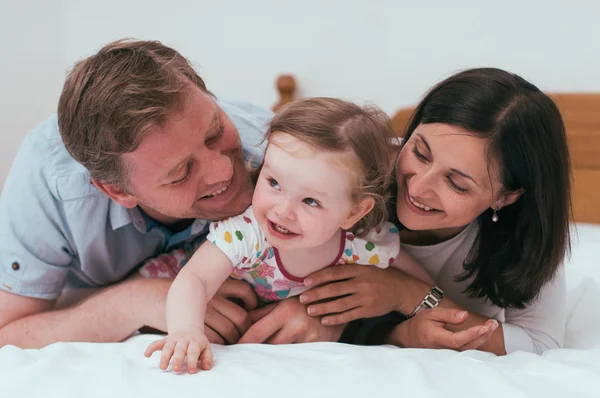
121 216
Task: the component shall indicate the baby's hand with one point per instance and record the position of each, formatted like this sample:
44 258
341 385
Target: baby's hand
191 342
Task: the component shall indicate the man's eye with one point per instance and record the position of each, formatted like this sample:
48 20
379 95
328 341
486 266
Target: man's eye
181 180
213 139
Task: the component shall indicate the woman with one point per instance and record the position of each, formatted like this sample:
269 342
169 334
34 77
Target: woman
483 195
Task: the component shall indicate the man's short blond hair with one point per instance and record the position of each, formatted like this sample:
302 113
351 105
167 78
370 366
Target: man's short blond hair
111 99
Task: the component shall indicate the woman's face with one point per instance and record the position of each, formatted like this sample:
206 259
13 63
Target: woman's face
445 180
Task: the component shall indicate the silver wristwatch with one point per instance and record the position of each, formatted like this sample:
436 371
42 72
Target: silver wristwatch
431 300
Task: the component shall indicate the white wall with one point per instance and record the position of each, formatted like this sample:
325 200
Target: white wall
387 51
32 64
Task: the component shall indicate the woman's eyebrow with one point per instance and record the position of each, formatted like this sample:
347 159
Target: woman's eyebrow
424 142
460 173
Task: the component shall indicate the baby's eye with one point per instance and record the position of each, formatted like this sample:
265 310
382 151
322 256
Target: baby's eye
311 202
273 182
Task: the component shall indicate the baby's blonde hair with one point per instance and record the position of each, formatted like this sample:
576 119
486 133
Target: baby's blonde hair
365 133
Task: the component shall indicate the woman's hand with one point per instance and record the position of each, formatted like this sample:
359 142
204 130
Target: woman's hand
359 292
428 329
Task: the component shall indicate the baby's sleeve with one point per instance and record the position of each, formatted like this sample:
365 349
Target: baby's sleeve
237 236
380 247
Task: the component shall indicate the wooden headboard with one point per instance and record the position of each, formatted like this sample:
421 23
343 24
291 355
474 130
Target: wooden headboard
581 115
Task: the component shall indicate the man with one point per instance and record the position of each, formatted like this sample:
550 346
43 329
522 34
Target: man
137 160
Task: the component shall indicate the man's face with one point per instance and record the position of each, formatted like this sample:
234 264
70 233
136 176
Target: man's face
190 167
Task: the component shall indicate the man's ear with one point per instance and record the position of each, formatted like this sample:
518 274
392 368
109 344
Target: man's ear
364 206
116 193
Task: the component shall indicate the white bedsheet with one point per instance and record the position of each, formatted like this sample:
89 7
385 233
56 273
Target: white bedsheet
324 369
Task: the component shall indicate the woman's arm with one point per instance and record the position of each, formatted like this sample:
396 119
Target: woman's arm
404 334
538 327
535 329
371 292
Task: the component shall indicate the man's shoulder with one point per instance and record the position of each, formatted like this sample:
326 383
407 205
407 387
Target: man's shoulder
252 122
43 156
236 108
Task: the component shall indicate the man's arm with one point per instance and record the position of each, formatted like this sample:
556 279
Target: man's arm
16 307
111 315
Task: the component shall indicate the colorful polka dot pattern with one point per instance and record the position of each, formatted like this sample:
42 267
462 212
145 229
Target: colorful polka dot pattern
259 265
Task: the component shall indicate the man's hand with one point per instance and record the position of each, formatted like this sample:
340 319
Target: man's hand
225 321
287 322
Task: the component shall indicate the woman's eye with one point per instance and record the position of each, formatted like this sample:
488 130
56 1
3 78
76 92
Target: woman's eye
419 155
454 186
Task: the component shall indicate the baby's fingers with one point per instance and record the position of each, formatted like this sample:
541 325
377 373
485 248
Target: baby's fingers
167 353
154 346
179 355
193 354
206 358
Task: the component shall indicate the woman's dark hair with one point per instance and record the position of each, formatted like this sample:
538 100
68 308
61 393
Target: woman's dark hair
512 259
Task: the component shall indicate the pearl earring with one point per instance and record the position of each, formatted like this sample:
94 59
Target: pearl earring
494 216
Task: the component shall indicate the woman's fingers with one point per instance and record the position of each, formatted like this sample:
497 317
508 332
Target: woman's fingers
490 326
441 337
336 306
331 274
332 290
344 317
447 315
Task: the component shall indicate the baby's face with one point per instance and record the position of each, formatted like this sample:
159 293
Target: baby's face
303 196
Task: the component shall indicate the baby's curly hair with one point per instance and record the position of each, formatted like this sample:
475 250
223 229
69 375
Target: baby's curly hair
334 125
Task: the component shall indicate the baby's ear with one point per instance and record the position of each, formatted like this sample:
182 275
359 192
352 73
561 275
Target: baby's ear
361 209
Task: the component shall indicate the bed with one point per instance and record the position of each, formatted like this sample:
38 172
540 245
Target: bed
326 369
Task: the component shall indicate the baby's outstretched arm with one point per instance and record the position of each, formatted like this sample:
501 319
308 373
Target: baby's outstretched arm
188 296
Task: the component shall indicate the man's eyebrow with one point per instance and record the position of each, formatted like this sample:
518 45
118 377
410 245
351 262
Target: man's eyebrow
214 125
176 170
